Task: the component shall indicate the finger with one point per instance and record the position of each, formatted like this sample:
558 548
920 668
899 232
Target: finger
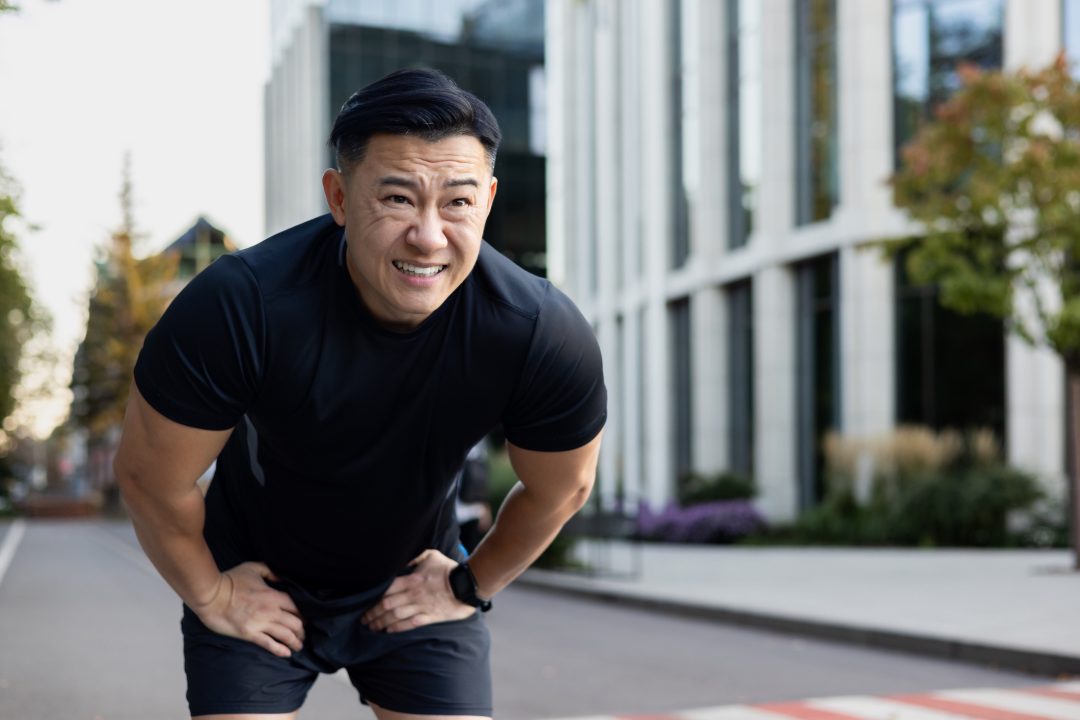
421 557
286 603
293 623
397 615
271 645
410 623
285 636
264 571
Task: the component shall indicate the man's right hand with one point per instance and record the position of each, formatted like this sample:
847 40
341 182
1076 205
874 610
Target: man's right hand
244 606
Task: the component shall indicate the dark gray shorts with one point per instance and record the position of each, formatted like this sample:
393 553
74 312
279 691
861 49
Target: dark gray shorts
440 669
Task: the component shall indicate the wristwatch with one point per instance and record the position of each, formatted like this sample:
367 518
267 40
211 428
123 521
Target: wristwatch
463 585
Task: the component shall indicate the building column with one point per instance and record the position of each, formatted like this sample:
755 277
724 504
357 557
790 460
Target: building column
655 193
605 117
775 411
867 342
1032 33
710 368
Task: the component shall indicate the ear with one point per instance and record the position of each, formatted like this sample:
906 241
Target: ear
494 187
333 184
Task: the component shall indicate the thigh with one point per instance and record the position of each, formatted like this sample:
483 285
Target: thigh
441 670
234 678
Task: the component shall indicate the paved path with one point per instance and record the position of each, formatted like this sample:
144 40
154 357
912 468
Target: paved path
1017 608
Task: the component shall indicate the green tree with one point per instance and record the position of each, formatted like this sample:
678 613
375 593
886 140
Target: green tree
128 297
994 183
21 319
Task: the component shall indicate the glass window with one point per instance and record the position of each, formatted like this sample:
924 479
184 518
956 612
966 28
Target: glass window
930 39
681 384
495 50
818 370
680 235
744 120
1070 36
817 181
740 382
937 383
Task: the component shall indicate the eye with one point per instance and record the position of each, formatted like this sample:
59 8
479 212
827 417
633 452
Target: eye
397 200
461 202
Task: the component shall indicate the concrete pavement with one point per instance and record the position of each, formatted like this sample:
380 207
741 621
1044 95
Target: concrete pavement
1017 609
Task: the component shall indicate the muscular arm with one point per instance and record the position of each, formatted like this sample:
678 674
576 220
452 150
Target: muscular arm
553 486
157 466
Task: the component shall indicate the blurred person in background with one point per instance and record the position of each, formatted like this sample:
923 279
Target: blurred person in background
473 507
339 373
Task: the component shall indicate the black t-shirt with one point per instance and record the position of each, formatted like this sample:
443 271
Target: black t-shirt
348 436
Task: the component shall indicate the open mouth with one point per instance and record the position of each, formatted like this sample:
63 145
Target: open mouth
418 270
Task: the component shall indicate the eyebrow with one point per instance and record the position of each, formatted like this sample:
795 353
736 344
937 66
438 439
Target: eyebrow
396 181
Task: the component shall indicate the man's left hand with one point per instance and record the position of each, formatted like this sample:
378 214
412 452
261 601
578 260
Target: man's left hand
420 598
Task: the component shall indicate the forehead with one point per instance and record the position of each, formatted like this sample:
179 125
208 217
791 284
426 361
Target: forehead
451 156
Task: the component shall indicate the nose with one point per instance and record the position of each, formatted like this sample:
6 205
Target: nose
426 235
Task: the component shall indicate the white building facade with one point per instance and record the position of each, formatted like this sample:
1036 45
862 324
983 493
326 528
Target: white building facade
717 179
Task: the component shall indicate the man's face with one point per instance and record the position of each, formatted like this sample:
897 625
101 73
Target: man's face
414 214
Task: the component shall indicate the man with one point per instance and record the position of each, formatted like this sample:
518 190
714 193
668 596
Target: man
339 372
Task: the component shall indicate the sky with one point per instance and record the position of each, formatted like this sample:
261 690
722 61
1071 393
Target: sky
178 86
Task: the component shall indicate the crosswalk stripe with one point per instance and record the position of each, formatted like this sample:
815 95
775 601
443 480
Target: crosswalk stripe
804 711
1059 701
1055 692
979 711
1056 708
730 712
873 708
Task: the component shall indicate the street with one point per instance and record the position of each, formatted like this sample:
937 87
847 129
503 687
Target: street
88 630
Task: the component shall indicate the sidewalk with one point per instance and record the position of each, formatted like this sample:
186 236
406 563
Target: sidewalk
1018 609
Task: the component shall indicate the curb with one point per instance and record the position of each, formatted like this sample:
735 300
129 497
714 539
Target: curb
1028 661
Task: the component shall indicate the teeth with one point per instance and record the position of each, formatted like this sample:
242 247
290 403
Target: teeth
418 271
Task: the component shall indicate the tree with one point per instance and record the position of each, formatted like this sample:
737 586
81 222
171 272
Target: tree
128 297
994 182
21 319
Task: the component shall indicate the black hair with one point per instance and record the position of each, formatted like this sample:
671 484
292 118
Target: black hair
421 102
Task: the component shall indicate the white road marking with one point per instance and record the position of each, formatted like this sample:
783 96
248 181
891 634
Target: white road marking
1017 702
880 708
11 542
872 708
730 712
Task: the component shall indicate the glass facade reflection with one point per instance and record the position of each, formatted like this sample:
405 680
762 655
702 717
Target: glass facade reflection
1070 35
744 118
930 39
494 49
817 181
682 421
740 330
950 367
818 371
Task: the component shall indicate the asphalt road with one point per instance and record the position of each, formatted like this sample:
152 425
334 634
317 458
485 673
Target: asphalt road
88 630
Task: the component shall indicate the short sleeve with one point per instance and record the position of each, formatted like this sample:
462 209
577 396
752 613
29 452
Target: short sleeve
200 365
560 402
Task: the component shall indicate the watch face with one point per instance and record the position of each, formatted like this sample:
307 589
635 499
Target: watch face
461 585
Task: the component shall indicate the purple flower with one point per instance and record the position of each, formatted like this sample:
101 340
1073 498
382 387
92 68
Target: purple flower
712 522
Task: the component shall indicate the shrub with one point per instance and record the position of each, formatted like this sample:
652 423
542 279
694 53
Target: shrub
917 488
696 488
723 521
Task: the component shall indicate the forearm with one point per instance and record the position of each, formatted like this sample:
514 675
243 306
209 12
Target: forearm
170 533
526 524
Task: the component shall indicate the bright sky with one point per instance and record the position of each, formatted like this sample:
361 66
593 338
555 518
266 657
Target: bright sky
177 84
